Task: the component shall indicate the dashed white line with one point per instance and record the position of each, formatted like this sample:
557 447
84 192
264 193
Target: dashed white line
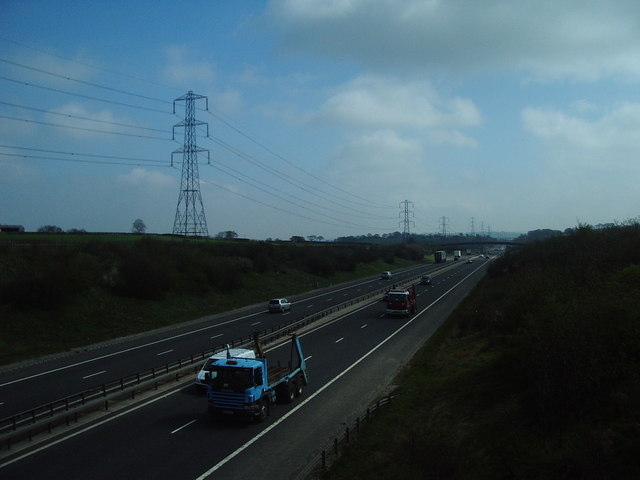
309 306
255 323
216 336
363 326
165 352
306 358
340 339
184 426
94 374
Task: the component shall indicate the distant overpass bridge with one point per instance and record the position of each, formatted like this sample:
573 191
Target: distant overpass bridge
482 243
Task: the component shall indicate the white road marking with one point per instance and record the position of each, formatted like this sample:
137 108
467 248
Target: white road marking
94 374
216 336
307 358
339 340
363 326
126 350
164 353
270 427
255 323
184 426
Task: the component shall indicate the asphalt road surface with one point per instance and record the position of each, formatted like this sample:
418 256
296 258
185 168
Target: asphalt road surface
352 360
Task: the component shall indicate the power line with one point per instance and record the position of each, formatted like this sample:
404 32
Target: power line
286 211
57 90
81 154
95 130
270 188
72 60
284 176
77 160
68 115
83 82
293 164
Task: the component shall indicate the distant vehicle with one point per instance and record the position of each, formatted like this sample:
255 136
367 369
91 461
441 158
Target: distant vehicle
279 305
385 276
228 353
457 254
425 280
402 302
440 256
469 261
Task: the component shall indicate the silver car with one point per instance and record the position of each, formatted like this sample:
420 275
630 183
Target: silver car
279 305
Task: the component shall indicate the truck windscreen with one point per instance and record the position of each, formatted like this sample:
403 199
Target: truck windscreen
231 378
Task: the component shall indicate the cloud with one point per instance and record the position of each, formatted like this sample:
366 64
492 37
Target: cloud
73 115
547 40
615 131
140 177
182 70
378 102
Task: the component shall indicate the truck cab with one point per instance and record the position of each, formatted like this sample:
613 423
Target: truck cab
401 302
249 386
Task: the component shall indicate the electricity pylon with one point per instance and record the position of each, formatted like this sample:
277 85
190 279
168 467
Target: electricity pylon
190 220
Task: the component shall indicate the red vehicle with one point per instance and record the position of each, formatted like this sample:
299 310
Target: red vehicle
401 302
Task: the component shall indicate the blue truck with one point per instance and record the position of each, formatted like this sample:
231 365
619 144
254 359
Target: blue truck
249 386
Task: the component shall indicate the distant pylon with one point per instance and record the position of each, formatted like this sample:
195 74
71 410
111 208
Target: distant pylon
406 233
190 220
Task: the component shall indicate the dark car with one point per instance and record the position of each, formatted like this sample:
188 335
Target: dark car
425 280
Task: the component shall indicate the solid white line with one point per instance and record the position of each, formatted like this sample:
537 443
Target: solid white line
229 457
184 426
164 353
94 374
272 426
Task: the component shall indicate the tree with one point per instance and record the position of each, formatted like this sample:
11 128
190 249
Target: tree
49 229
228 235
138 226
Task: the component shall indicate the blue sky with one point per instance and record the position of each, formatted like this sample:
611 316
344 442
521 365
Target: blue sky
323 115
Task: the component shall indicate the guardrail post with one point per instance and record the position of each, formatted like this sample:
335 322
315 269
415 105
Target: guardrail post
121 383
104 390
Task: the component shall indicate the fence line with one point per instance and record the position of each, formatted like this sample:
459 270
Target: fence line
332 450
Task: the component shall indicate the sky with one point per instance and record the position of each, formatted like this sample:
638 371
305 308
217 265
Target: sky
324 118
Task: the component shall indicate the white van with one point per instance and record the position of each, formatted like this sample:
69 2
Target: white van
227 353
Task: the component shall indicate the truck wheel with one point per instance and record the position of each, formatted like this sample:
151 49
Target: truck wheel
298 388
263 411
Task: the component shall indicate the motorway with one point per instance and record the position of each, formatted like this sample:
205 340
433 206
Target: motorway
351 360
